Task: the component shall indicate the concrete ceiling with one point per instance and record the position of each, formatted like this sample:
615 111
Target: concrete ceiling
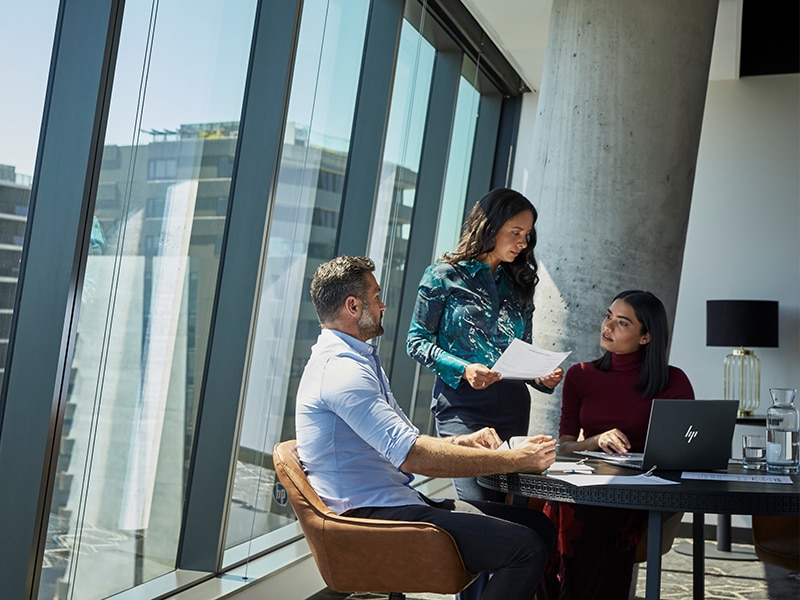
519 28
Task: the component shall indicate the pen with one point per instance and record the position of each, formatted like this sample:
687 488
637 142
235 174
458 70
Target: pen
571 471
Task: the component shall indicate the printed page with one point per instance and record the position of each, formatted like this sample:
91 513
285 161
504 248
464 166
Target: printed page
755 478
581 480
525 361
569 467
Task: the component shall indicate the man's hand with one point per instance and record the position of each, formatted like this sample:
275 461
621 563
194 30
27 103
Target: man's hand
483 438
537 453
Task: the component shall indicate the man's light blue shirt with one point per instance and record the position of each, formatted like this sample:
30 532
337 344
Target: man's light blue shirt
352 436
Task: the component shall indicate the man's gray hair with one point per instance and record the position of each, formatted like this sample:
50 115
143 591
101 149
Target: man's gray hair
337 279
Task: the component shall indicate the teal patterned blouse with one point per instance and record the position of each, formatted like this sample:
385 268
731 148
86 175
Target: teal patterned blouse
465 315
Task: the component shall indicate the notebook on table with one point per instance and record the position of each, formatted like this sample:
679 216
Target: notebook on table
683 435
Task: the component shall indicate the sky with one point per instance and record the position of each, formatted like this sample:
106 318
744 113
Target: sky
26 42
196 73
197 69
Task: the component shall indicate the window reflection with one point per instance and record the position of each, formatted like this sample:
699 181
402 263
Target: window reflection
397 192
149 286
454 198
23 71
302 235
451 213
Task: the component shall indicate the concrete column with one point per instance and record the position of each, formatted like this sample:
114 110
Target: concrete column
615 147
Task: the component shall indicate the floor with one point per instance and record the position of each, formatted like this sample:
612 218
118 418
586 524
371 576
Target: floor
724 580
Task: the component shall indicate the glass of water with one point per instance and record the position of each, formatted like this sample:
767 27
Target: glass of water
754 451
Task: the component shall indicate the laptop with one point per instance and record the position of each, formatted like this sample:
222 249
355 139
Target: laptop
683 435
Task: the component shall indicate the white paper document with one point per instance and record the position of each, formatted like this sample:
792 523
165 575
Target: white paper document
522 360
560 467
737 477
581 480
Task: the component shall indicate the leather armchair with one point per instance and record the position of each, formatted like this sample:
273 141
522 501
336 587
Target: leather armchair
776 540
370 555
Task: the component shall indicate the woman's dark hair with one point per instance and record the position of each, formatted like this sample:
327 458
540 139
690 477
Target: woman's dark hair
650 312
487 217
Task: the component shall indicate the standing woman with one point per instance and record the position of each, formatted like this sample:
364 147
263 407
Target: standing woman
605 405
471 304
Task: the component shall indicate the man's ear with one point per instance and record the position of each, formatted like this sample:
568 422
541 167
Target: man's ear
352 305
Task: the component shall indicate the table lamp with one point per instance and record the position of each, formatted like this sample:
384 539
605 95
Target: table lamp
741 323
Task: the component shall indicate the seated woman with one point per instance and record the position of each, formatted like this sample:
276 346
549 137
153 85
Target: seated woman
606 406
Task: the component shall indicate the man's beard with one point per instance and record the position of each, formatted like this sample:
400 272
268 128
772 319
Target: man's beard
369 326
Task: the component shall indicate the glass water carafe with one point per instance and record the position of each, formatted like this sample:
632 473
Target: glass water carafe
783 429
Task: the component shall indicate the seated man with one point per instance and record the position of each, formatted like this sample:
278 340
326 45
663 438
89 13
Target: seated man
359 448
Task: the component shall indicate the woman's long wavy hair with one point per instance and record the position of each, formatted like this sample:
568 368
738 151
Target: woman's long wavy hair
487 217
650 312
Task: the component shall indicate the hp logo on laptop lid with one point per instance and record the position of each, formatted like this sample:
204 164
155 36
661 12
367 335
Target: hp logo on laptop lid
690 434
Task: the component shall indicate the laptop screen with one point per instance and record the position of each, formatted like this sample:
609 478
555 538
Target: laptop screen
690 435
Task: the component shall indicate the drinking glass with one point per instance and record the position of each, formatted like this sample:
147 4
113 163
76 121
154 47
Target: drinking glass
754 451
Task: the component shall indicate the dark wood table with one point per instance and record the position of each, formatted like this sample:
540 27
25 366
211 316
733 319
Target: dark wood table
696 496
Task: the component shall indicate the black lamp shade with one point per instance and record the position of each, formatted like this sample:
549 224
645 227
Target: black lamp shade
746 323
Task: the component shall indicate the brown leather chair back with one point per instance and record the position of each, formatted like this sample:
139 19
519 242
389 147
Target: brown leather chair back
370 555
776 540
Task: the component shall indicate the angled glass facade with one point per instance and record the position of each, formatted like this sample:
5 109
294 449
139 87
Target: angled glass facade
147 298
23 73
190 178
302 235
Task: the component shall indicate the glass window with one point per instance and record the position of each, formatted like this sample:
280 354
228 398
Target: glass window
302 235
26 61
451 212
147 298
451 217
397 192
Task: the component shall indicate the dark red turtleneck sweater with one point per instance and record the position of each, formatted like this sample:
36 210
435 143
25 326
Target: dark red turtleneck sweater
597 401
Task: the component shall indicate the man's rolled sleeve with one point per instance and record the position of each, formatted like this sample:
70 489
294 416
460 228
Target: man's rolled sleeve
400 440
